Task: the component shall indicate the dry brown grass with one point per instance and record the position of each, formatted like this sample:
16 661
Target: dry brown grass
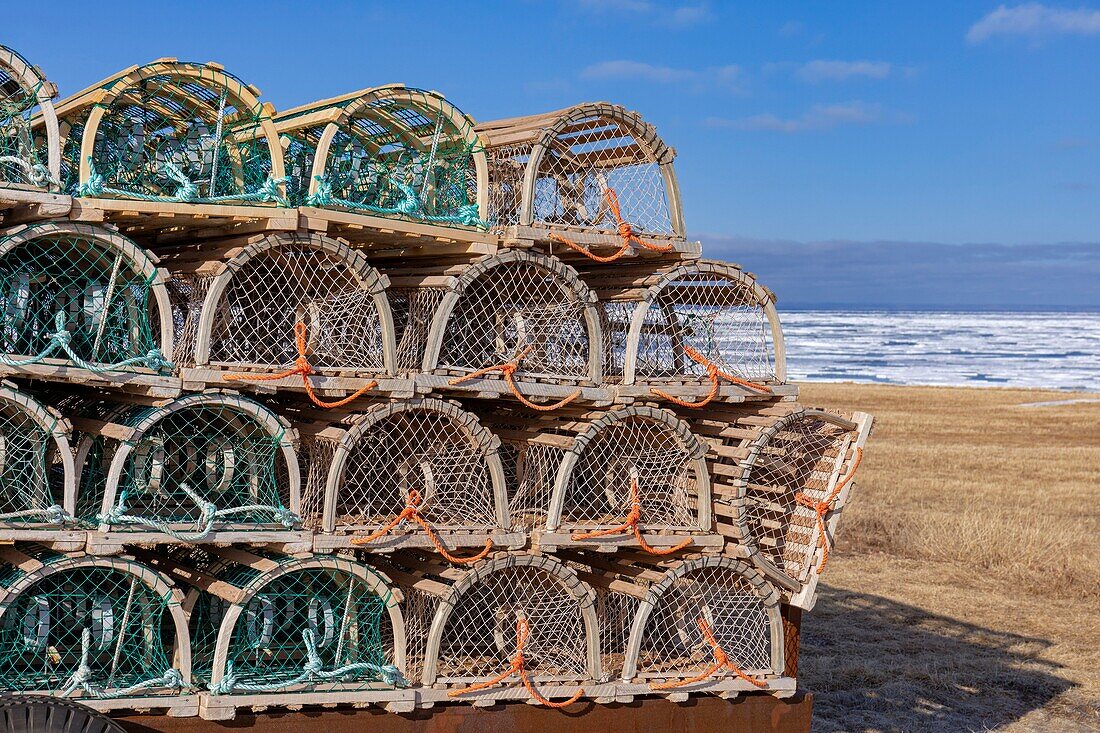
965 594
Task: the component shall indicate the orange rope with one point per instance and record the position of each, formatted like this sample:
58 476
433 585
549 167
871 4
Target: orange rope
822 508
518 665
630 524
508 369
721 661
303 367
625 231
412 512
713 373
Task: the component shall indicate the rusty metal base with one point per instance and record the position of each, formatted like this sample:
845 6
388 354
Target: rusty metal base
746 714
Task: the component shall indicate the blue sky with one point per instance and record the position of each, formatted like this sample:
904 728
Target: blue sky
946 122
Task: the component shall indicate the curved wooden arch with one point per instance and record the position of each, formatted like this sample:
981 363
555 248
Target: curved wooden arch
244 96
143 262
764 591
644 134
57 427
697 451
370 280
277 427
152 579
764 298
31 78
481 437
569 280
378 584
581 591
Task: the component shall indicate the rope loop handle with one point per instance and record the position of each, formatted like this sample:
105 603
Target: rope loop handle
632 524
713 373
822 508
518 665
721 661
411 512
508 369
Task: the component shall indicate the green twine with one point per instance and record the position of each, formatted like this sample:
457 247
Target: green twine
81 678
187 193
61 339
410 205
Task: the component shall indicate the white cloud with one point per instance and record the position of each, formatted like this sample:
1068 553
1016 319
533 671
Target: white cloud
818 117
658 12
1035 20
829 70
709 78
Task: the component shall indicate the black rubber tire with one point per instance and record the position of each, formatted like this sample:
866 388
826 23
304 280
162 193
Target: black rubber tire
43 714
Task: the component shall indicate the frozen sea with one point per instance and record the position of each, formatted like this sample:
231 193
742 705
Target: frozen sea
1059 350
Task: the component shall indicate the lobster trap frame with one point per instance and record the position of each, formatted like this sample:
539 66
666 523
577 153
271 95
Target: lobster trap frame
27 160
103 641
552 172
151 453
252 304
365 152
171 132
423 453
37 473
262 612
518 322
76 290
604 493
664 331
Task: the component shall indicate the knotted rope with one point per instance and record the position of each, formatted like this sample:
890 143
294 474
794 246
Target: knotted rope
312 671
54 514
412 512
305 369
518 665
632 524
626 233
721 661
81 679
61 340
713 373
508 369
822 508
187 193
35 173
410 205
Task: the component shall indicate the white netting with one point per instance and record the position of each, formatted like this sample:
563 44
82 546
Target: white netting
615 612
418 610
413 311
187 294
531 469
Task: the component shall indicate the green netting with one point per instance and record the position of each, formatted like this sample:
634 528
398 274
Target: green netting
192 467
406 153
32 473
181 133
68 295
312 628
90 631
22 159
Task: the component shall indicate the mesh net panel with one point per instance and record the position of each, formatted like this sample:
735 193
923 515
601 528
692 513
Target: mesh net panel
804 456
31 471
186 293
20 153
43 632
418 611
720 318
511 307
672 643
413 310
100 293
598 491
615 319
479 639
530 470
616 613
317 455
507 167
254 319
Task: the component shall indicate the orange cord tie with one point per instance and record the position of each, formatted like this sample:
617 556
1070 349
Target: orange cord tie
625 231
822 508
631 524
721 661
508 369
412 512
518 665
304 368
713 373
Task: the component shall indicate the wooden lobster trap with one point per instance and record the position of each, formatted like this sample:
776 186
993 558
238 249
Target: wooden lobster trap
690 333
515 627
390 151
416 473
285 311
85 304
171 132
205 468
27 160
517 323
595 178
38 500
107 631
290 631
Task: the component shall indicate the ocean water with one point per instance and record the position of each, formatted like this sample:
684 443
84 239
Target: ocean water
1050 349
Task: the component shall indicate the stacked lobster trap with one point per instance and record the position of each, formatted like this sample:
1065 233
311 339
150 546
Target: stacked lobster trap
366 403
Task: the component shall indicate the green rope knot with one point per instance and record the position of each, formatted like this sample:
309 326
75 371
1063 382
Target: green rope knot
187 191
95 184
323 195
81 679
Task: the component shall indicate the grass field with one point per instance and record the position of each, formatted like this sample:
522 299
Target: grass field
965 592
